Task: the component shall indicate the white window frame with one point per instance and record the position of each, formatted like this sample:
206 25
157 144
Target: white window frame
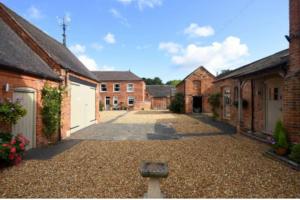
119 87
101 87
115 98
131 87
130 97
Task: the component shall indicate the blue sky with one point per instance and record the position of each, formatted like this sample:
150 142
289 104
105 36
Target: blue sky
164 38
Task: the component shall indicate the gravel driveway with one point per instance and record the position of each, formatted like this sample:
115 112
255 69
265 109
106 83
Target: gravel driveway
148 125
205 163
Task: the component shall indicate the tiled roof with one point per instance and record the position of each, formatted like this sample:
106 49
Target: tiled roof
16 55
62 55
116 76
278 59
161 90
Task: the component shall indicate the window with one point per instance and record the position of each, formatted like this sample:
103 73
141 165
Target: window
197 85
115 100
117 87
130 87
130 101
103 87
276 94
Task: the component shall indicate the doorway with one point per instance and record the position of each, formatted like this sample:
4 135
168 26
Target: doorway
273 103
107 103
26 125
197 104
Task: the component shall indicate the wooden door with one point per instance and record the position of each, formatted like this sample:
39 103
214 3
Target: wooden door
26 125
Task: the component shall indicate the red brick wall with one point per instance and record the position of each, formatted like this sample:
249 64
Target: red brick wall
259 105
138 93
291 93
187 87
247 111
219 88
16 80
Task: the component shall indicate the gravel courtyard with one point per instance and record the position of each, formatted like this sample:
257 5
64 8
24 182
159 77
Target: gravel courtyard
203 165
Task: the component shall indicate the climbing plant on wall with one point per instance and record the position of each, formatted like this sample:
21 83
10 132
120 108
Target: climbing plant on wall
51 100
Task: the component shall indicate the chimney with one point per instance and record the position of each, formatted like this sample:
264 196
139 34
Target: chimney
294 49
291 89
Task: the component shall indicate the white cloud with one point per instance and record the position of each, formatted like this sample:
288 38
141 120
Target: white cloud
97 46
109 38
170 47
80 51
141 4
194 30
215 56
77 49
88 62
34 13
115 13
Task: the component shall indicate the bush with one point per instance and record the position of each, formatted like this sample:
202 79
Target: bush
295 153
280 136
11 112
214 101
12 148
101 106
278 128
177 104
52 98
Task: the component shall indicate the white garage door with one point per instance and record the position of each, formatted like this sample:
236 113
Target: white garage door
83 106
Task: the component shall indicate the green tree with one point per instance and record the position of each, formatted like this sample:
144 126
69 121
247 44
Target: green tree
177 104
173 82
154 81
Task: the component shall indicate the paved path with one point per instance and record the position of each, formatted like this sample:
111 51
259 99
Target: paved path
111 130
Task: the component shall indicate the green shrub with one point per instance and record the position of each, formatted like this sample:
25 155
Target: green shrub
101 106
278 128
214 101
282 140
177 104
11 112
51 100
295 153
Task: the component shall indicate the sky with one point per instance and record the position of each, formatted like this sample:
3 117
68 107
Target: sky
164 38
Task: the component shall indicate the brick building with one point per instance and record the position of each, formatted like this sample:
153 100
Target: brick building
197 87
254 97
160 96
29 59
121 90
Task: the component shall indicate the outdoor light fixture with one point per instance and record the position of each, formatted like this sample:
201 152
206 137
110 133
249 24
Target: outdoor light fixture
287 38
